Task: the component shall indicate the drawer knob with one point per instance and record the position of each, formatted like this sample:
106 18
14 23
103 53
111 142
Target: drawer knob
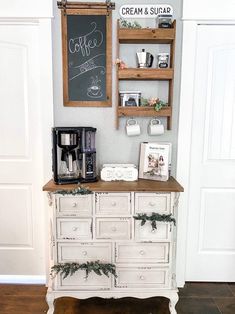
152 204
74 205
142 277
84 253
142 252
153 230
114 229
113 203
75 228
85 279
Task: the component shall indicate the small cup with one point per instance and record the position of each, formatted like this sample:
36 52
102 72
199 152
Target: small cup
132 127
155 127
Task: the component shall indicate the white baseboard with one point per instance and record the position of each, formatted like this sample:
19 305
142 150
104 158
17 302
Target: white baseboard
19 279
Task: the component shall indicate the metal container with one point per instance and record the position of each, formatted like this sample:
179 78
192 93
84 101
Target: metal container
130 98
164 21
163 60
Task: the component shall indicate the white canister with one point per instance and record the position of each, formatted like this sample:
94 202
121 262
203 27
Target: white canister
155 127
132 127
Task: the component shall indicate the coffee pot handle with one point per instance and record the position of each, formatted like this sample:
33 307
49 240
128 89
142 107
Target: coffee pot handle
151 60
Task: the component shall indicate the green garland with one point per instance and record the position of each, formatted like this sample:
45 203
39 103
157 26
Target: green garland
126 24
97 267
154 218
80 190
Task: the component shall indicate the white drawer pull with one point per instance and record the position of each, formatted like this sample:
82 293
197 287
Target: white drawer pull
84 253
75 228
74 205
114 229
142 252
113 203
152 204
142 277
153 230
85 279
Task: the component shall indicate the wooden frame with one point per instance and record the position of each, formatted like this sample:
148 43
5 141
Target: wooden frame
88 9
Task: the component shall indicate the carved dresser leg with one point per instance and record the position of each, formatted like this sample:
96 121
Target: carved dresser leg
173 300
50 302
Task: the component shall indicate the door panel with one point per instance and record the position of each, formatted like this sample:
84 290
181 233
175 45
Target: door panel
21 207
211 235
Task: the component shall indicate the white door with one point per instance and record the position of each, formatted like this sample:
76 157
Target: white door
22 230
211 206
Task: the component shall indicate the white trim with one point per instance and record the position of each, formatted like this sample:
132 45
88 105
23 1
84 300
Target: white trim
20 279
210 21
184 141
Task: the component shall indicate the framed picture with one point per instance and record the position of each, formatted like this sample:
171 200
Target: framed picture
154 161
87 53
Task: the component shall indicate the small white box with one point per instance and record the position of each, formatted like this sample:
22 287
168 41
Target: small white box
130 98
115 172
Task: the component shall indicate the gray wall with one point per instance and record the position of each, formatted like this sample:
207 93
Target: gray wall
114 146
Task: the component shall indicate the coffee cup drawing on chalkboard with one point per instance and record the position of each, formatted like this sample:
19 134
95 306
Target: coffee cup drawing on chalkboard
94 91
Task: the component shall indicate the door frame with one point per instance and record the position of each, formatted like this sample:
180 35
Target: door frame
189 47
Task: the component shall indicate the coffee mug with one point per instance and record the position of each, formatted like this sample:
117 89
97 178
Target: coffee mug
155 127
132 127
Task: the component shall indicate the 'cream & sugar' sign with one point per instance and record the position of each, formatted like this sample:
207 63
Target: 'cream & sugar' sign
145 11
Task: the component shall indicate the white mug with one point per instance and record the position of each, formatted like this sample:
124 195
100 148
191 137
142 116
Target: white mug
132 127
155 127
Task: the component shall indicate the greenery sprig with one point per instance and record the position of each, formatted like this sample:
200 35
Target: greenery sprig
153 218
71 268
80 190
126 24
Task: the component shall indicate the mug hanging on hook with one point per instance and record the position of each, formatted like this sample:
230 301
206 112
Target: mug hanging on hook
132 127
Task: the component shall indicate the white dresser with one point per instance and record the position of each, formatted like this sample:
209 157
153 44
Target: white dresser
101 226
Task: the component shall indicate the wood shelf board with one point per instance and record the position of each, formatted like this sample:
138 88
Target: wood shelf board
140 185
145 74
143 111
146 35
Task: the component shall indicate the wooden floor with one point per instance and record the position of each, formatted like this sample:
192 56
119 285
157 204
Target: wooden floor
195 298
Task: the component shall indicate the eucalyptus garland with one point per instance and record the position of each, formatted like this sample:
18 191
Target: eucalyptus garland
153 218
71 268
126 24
80 190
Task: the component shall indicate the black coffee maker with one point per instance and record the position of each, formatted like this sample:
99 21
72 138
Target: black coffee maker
73 154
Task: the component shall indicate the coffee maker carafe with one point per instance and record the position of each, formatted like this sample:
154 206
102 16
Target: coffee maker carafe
74 154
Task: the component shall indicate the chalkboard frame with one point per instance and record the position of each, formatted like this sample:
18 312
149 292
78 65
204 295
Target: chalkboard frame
91 103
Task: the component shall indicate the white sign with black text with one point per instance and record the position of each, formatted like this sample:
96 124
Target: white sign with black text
145 11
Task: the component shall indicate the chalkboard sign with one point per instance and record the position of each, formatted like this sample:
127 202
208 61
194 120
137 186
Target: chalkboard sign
87 60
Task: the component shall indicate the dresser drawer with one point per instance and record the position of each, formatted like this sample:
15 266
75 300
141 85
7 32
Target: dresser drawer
74 228
113 203
78 282
147 277
113 228
152 202
74 205
83 252
145 233
142 253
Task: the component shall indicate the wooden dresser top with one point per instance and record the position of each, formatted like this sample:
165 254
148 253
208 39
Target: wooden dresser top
120 186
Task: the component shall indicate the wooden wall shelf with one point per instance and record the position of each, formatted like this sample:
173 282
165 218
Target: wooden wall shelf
145 74
146 36
143 111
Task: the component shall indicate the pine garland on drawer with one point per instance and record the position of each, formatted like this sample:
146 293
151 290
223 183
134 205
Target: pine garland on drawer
153 218
71 268
80 190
